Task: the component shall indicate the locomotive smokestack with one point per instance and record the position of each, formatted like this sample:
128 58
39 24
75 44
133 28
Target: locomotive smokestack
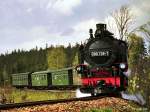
100 28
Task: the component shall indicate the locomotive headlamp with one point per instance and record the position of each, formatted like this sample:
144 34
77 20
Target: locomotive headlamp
122 65
78 68
97 68
81 68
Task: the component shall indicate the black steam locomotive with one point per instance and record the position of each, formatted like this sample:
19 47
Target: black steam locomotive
103 63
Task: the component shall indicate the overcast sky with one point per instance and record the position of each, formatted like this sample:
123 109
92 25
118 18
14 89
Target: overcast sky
25 24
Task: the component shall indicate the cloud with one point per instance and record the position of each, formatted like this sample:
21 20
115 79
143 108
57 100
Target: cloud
81 30
27 23
86 25
26 38
67 32
141 10
35 36
64 6
29 10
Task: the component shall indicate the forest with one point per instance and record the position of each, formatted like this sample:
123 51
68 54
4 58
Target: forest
37 59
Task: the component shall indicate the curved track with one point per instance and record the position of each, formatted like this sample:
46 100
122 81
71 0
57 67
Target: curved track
26 104
18 105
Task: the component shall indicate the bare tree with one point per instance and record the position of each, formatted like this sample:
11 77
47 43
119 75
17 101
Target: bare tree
123 19
111 25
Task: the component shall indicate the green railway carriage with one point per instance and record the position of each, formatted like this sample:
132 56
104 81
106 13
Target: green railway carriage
60 77
40 79
20 79
50 79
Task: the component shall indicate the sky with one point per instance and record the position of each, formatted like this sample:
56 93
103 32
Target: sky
25 24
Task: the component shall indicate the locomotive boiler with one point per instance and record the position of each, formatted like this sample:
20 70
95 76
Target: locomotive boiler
103 62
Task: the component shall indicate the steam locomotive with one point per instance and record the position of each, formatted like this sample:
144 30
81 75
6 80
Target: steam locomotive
103 63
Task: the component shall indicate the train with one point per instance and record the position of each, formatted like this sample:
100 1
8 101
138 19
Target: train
102 67
103 63
50 79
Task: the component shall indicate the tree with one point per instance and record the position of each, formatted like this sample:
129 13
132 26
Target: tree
146 30
76 59
69 55
5 76
123 19
136 56
56 58
137 51
139 62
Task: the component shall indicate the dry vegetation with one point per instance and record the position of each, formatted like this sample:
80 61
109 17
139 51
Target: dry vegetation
12 95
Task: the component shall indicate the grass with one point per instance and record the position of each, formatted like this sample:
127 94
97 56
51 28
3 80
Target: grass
112 110
24 95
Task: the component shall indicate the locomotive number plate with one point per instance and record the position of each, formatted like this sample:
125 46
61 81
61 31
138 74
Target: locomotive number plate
99 53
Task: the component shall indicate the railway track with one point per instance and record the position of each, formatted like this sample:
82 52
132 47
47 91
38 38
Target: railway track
26 104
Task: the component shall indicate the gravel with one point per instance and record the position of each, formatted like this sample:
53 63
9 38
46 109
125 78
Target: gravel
114 104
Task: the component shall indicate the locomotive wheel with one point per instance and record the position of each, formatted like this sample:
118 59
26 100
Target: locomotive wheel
94 94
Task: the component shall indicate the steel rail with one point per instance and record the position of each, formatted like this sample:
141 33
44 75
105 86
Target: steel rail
26 104
36 103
